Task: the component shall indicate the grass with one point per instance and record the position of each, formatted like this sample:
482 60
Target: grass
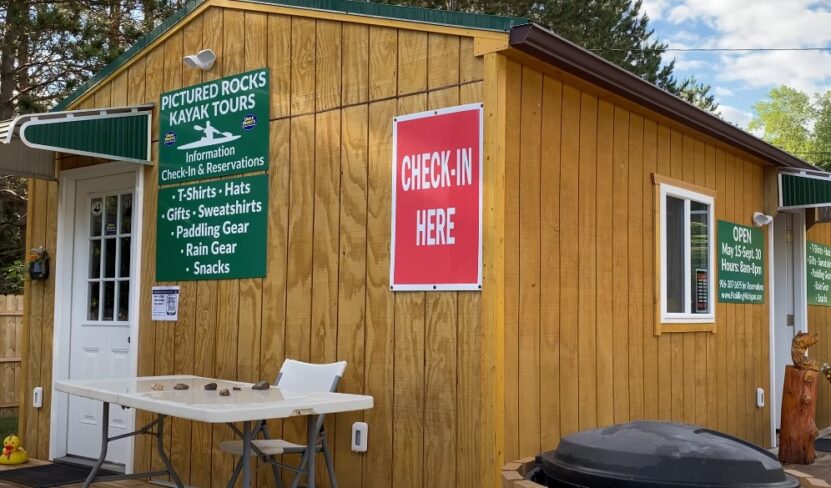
8 425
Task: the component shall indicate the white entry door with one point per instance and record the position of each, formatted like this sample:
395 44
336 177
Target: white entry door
787 276
102 286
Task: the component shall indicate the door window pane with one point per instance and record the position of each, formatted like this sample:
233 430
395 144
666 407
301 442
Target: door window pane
109 258
699 258
126 213
95 259
123 300
93 301
111 215
109 300
675 254
96 212
124 266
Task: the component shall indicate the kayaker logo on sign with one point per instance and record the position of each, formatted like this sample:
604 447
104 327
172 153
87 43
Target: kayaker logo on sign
437 200
212 129
210 137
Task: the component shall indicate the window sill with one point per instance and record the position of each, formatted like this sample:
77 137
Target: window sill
671 327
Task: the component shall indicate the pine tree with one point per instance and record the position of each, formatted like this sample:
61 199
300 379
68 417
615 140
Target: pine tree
616 30
613 29
697 94
48 48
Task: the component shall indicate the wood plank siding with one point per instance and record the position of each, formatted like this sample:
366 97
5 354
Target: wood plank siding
562 336
38 320
579 343
335 88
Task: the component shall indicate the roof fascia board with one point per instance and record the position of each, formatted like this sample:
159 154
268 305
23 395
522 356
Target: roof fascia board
197 7
550 48
482 46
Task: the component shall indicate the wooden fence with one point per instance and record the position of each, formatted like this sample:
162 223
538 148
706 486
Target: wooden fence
11 327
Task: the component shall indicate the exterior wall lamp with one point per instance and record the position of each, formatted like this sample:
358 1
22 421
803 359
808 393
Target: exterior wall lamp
203 60
761 220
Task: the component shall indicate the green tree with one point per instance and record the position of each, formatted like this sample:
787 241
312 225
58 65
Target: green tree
613 29
48 48
698 94
821 144
12 232
793 121
618 31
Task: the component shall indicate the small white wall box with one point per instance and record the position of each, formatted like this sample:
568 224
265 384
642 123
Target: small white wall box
359 436
760 397
37 397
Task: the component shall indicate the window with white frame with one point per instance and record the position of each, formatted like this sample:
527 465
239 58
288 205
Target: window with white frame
687 262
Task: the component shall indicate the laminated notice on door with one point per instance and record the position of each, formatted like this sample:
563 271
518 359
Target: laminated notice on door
166 303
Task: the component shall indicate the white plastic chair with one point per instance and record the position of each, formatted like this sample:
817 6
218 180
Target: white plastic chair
295 376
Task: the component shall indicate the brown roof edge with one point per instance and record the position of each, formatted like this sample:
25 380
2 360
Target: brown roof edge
543 44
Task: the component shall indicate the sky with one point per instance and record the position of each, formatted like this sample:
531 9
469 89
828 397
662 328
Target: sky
740 79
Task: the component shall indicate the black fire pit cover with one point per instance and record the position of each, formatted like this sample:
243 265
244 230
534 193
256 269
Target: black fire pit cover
660 454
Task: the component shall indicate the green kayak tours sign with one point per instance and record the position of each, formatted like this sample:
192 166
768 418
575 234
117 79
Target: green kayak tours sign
741 264
819 274
213 231
214 129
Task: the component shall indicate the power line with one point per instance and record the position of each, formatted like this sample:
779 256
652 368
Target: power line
715 49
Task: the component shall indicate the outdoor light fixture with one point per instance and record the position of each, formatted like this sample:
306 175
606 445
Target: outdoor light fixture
203 60
761 220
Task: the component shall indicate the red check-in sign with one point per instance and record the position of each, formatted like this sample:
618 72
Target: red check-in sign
437 200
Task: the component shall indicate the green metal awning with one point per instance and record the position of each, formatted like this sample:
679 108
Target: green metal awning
804 189
30 141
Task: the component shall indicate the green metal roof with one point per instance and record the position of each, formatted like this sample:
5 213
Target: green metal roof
28 143
125 137
804 190
369 9
411 14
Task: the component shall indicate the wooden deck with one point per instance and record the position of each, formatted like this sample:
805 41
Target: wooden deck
821 469
108 484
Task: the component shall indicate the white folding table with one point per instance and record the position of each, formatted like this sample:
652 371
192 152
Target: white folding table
244 405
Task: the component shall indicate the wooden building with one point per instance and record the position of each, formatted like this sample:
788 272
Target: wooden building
583 319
